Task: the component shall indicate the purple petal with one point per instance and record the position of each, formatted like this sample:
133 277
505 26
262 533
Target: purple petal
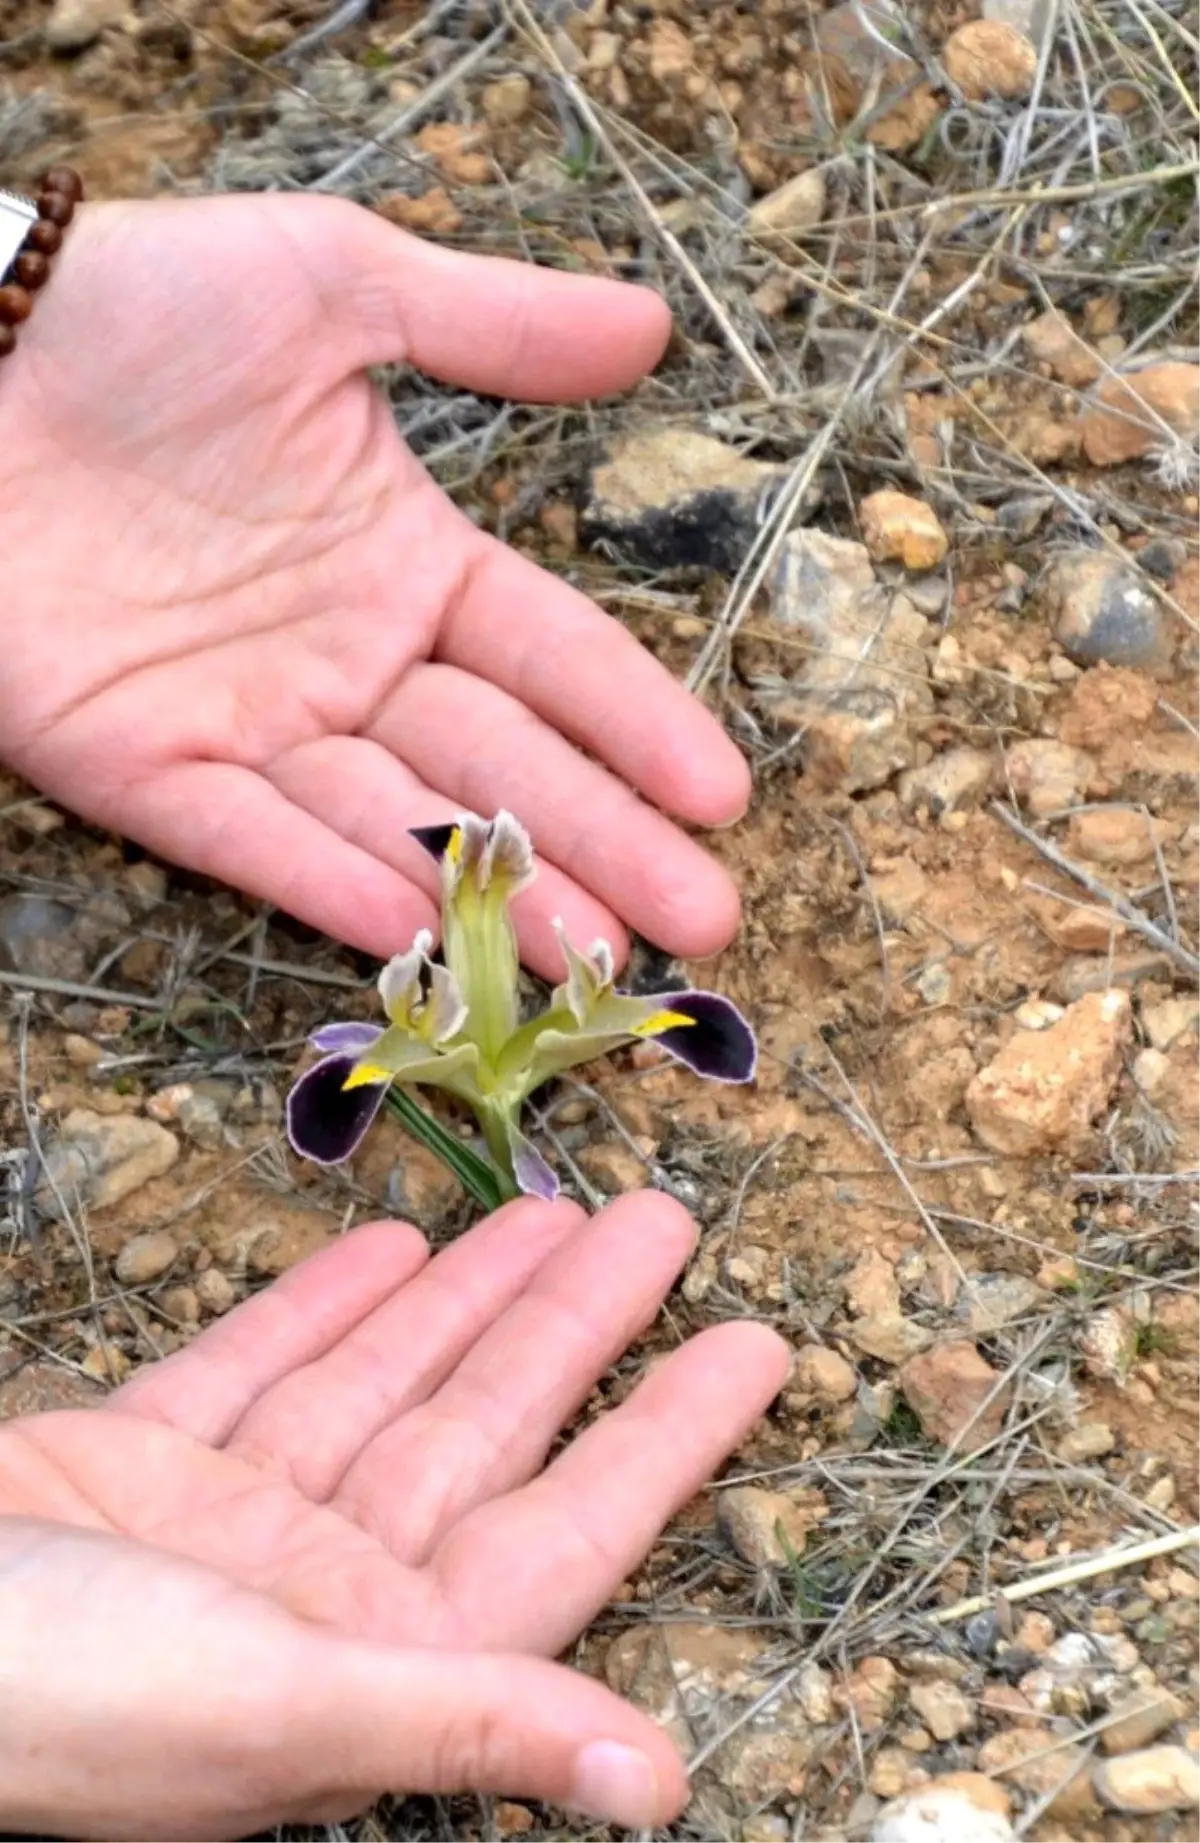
435 839
534 1176
719 1043
332 1037
324 1122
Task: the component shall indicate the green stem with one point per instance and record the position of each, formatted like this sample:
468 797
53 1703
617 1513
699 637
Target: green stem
494 1124
481 1179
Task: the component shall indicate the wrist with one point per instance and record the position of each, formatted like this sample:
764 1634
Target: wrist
33 228
31 236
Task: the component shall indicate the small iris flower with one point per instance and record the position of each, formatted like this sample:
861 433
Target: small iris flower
457 1026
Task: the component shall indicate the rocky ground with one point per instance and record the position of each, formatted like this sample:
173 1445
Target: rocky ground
912 502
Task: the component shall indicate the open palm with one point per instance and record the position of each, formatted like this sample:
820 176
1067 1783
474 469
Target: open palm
245 628
339 1509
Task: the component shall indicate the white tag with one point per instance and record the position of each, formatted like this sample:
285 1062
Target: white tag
16 216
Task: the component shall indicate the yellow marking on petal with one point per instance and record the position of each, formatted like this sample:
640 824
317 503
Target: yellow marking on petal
454 845
662 1020
364 1076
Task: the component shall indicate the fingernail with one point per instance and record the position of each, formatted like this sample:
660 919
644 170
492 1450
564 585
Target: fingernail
616 1783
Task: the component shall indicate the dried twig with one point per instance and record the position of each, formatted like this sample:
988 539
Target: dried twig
68 988
1126 1556
1185 960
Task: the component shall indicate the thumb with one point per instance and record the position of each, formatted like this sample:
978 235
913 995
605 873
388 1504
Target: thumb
510 329
437 1721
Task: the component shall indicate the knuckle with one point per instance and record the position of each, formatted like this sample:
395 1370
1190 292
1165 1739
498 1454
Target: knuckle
478 1751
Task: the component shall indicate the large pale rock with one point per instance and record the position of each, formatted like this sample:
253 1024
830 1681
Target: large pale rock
954 1808
1126 419
1156 1779
945 1387
100 1159
864 681
1045 1087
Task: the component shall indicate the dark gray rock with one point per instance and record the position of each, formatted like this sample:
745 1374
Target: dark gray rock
1163 557
1101 610
675 498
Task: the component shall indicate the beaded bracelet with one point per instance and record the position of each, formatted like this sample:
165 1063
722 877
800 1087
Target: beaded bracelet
31 233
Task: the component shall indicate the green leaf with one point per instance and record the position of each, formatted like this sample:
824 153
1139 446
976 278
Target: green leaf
478 1176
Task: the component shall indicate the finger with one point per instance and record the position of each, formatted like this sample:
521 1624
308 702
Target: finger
489 324
486 750
532 1569
159 1699
206 1388
492 1422
365 794
577 667
436 1721
312 1425
228 822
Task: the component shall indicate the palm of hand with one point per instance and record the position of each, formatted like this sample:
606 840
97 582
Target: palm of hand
322 1474
250 631
362 1447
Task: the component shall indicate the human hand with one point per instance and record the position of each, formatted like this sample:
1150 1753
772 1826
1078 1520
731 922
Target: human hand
246 629
319 1554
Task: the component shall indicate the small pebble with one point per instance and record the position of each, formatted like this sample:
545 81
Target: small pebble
1155 1779
943 1708
82 1052
823 1372
1090 1440
1140 1718
215 1290
180 1302
145 1257
1163 557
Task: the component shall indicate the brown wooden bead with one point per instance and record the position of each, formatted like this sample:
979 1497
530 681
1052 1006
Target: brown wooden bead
56 207
63 179
44 237
8 340
31 269
16 304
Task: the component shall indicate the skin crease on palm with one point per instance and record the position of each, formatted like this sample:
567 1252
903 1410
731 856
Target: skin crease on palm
290 1567
248 631
319 1552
